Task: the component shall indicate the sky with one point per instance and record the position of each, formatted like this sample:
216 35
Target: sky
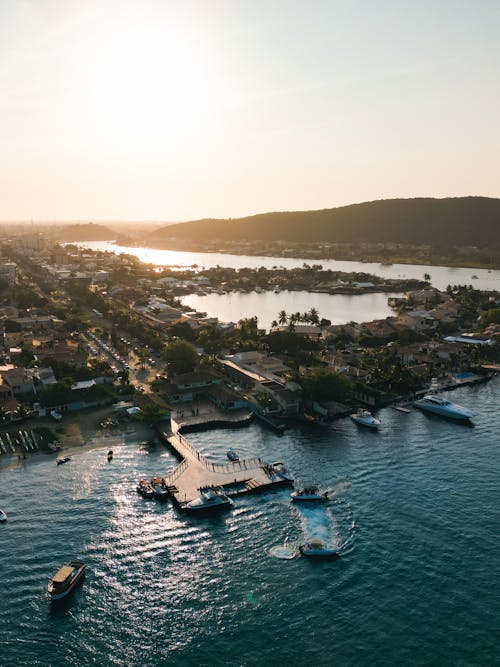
170 110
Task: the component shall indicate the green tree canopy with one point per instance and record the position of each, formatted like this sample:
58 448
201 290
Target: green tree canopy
324 384
180 356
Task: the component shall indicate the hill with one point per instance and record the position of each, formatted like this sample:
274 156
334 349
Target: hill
460 221
83 232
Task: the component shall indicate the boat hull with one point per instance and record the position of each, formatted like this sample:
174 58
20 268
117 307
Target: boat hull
319 553
373 424
442 412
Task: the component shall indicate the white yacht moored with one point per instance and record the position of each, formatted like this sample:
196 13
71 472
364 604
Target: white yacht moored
442 406
365 418
209 501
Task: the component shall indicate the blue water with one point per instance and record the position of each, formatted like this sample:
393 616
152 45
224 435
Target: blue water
416 506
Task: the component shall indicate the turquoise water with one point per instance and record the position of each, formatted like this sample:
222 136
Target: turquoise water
416 505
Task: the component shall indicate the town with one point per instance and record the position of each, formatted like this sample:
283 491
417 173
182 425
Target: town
106 334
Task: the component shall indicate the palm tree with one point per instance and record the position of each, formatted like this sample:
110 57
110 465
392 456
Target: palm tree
282 317
274 324
313 316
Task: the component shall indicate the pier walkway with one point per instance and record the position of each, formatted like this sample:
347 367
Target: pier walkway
195 472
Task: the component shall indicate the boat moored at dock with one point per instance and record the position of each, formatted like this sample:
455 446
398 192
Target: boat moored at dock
365 418
309 494
232 455
145 489
443 407
65 579
160 492
210 501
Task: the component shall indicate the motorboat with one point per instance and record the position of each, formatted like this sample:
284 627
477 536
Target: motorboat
309 494
280 470
145 489
365 418
56 415
159 489
317 549
209 501
110 456
65 459
65 579
443 407
3 516
232 455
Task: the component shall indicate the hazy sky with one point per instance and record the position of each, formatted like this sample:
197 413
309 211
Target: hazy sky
178 109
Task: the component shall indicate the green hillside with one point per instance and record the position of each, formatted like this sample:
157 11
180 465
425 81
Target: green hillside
84 232
459 221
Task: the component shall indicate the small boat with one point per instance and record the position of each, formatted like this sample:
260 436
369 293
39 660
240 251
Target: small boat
443 407
110 456
365 418
232 455
145 489
3 516
160 492
63 460
317 549
309 494
65 580
56 415
209 501
280 470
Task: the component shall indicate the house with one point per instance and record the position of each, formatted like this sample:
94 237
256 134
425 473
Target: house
417 320
19 380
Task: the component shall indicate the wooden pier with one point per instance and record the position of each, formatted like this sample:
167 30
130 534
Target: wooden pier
235 477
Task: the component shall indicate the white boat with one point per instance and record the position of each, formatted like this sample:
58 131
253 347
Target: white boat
209 501
65 579
365 418
317 549
309 494
63 460
280 470
3 516
443 407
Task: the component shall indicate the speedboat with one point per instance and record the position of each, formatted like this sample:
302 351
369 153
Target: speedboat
209 501
65 579
232 455
365 418
63 460
3 516
317 549
145 489
309 494
110 456
443 407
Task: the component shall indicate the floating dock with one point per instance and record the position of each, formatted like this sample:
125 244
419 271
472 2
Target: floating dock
235 477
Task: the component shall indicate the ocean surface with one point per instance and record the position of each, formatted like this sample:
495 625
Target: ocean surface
416 508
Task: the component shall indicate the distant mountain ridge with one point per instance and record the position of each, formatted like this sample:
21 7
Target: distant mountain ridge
457 221
88 231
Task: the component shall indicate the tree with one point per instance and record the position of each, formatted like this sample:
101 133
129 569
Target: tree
282 317
313 316
324 384
180 356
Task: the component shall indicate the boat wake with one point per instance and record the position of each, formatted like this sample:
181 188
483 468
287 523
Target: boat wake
284 551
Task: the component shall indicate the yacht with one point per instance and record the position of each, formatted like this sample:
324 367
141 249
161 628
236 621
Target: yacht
65 580
232 455
317 549
309 494
3 516
365 418
443 407
279 469
208 502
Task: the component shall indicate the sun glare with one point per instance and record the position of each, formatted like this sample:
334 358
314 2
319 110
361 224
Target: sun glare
143 86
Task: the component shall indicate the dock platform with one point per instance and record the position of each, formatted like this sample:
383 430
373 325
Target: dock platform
235 477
